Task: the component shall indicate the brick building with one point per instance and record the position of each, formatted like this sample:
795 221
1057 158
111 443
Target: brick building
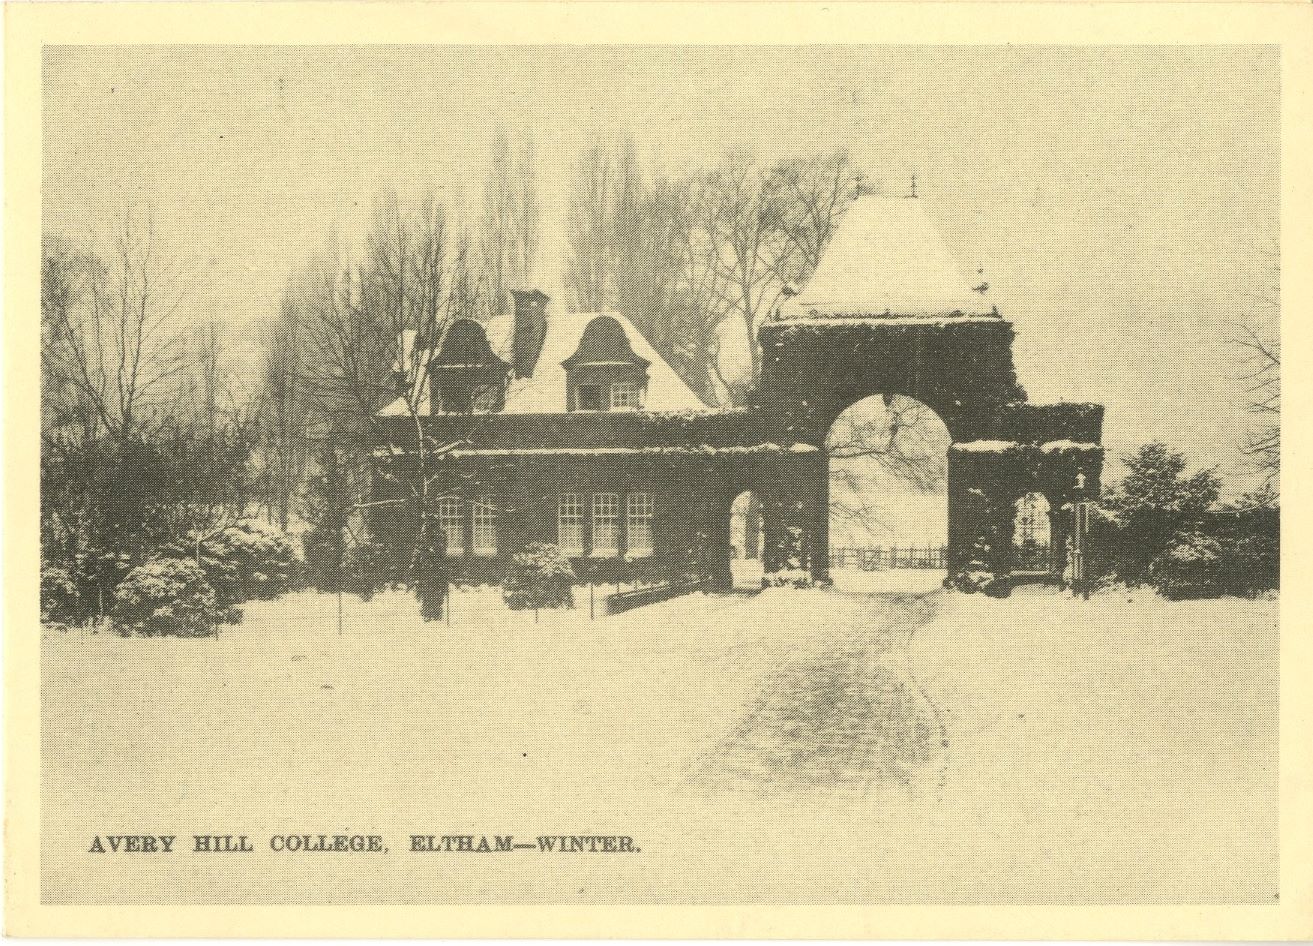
570 428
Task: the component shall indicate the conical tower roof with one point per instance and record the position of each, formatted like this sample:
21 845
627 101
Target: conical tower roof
887 260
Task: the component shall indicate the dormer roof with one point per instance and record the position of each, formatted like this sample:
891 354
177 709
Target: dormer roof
604 342
465 344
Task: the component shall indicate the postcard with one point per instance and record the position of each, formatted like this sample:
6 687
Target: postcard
614 471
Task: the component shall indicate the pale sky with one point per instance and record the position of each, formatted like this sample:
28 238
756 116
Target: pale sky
1120 200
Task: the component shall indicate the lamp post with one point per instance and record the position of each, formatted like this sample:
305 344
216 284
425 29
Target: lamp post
1081 509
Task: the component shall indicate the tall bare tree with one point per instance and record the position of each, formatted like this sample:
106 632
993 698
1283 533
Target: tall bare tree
284 448
605 176
529 213
1258 343
701 260
368 336
112 349
207 385
511 223
698 263
742 240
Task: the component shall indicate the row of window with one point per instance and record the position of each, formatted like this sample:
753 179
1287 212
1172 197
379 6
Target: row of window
570 520
605 508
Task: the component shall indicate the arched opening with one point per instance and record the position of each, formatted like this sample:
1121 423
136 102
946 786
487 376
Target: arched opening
745 537
1032 548
888 505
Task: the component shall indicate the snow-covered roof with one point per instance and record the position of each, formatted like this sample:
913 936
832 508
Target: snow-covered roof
887 258
545 391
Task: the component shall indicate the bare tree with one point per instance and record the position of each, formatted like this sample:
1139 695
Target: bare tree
371 332
511 223
765 228
529 214
812 196
699 263
1258 343
283 450
65 403
742 239
1263 443
111 346
636 246
589 270
208 385
904 442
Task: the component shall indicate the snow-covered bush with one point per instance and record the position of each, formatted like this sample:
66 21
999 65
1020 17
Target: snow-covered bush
788 578
1252 563
540 577
60 602
1150 511
1163 527
975 578
794 573
978 576
263 561
249 560
166 596
1191 567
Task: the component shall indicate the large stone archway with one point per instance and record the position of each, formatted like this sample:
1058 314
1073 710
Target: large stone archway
859 330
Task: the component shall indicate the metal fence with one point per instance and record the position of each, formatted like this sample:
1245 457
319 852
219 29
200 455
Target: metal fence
1037 558
1032 558
878 558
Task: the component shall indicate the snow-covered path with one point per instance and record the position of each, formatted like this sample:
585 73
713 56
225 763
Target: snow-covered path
847 714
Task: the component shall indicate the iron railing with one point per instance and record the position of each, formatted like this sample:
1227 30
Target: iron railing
878 558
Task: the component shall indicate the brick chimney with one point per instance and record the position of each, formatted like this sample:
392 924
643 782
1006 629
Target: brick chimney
530 330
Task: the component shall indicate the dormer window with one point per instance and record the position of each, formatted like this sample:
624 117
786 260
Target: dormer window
624 396
458 393
465 376
605 373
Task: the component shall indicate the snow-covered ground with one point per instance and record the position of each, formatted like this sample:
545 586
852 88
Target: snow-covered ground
877 744
918 580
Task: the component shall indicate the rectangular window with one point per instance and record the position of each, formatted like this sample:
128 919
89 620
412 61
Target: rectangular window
485 526
570 524
451 518
606 526
588 397
624 396
639 524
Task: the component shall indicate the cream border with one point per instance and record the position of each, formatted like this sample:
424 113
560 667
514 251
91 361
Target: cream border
30 26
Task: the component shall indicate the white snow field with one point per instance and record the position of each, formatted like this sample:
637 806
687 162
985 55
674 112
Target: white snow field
899 745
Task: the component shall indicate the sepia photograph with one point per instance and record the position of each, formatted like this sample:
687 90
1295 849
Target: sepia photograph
623 475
